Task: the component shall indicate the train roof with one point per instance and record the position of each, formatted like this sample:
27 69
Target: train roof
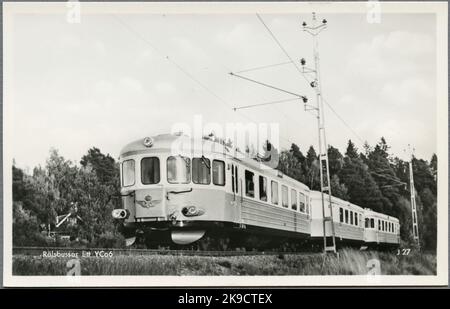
317 195
172 142
370 212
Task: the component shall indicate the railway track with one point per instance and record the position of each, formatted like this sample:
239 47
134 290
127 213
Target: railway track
40 251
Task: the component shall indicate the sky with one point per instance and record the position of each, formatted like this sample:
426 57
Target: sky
112 79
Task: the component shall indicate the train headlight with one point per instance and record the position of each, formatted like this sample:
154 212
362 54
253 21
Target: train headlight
148 142
120 213
192 211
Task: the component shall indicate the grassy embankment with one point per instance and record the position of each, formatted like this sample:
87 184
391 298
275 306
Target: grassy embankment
351 262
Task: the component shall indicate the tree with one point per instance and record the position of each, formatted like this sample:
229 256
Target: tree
313 171
433 165
335 160
338 189
361 188
54 189
103 165
384 175
352 151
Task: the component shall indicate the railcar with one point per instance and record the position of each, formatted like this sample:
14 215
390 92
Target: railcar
348 220
182 191
381 230
178 189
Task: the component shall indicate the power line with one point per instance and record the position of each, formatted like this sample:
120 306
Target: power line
303 75
343 121
189 75
264 67
270 86
266 103
278 43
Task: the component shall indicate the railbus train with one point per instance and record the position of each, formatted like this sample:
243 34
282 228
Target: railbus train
180 192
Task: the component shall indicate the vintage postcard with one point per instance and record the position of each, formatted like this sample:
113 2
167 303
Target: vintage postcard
225 144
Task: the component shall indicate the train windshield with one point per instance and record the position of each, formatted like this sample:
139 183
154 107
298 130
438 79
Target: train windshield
128 175
201 171
150 171
178 169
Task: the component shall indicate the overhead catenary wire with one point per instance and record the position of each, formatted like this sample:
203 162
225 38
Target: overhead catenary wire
278 43
186 72
264 67
266 103
270 86
302 73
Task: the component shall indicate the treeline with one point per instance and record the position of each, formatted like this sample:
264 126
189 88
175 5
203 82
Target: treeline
374 179
90 190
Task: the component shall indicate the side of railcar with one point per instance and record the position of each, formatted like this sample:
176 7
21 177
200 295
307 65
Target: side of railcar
347 220
381 229
270 202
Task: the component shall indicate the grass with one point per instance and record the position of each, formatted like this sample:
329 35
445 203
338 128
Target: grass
350 262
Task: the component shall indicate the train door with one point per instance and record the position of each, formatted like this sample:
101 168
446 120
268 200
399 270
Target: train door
236 187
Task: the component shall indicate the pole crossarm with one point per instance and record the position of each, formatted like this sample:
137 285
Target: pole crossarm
265 67
266 103
304 98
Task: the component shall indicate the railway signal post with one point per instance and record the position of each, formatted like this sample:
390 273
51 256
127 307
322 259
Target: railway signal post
329 245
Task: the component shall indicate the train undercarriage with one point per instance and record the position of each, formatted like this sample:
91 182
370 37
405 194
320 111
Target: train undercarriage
223 236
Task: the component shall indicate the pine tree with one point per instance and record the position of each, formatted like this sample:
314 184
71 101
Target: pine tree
361 188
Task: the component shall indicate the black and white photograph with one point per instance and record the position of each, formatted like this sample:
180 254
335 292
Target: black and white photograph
225 144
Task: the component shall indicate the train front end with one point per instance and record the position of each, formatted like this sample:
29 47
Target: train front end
168 196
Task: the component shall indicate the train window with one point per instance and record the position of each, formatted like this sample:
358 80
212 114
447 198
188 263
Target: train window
178 169
351 217
218 172
201 171
232 178
341 215
249 184
236 180
372 223
346 216
150 170
302 202
294 199
379 225
128 173
367 223
263 188
284 196
356 219
274 191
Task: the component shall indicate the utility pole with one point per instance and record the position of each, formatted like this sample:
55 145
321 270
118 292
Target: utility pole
329 245
415 222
